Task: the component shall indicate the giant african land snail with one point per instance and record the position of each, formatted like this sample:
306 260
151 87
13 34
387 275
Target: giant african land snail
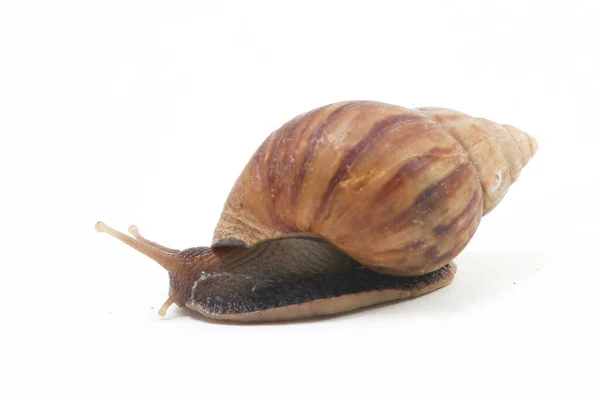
348 205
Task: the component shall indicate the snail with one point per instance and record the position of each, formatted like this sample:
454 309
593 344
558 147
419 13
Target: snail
346 206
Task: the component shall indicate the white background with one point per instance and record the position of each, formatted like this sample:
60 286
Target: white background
145 112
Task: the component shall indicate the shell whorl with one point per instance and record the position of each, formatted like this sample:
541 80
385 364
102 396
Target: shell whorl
498 152
399 190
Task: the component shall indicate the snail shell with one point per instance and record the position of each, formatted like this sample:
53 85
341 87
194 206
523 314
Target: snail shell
399 190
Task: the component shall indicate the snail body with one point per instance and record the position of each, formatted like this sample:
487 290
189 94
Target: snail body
345 206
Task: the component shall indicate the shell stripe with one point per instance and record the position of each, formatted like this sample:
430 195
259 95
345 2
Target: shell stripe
312 148
358 150
432 195
468 210
410 168
273 164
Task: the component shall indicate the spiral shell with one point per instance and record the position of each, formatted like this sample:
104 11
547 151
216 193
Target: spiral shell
400 190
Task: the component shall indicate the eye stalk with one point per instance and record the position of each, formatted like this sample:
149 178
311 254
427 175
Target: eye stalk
184 266
168 258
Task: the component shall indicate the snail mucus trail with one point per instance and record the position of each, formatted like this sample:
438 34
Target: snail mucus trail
346 206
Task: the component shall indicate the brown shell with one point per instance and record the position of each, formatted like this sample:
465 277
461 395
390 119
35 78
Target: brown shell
400 190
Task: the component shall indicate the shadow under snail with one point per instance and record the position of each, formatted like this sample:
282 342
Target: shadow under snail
346 206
